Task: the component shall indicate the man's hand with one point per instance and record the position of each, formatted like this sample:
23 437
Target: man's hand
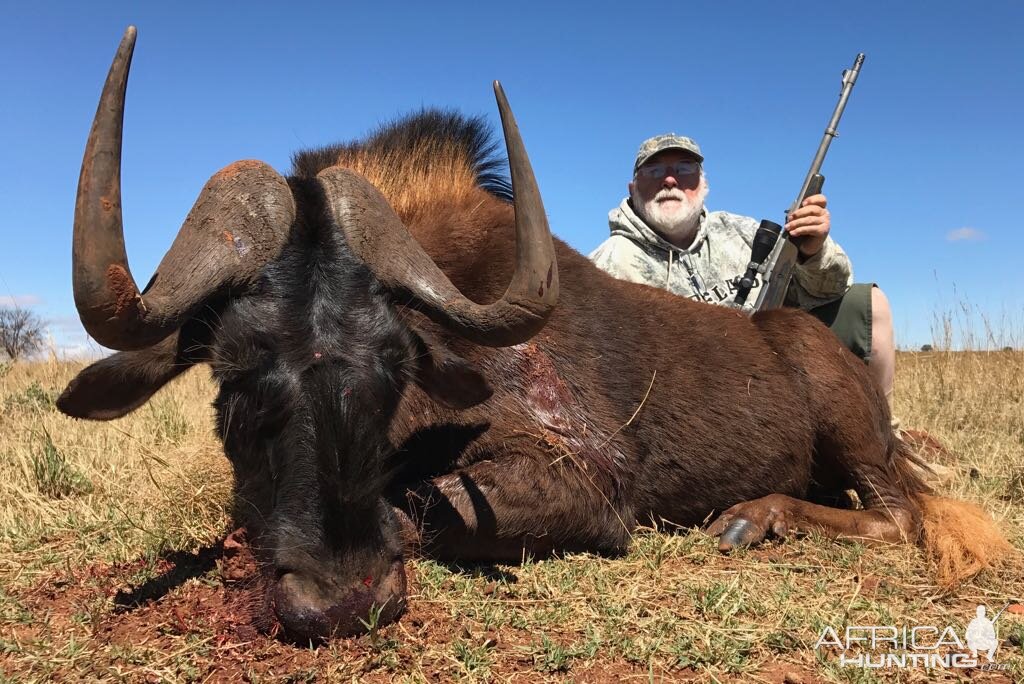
810 222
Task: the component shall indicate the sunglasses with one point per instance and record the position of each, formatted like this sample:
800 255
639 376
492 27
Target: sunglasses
680 168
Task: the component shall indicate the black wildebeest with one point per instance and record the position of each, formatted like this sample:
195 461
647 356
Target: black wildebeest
365 400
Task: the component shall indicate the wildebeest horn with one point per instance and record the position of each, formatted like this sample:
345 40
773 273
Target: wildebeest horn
238 223
376 234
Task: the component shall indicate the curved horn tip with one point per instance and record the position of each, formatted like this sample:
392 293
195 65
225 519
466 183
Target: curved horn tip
499 92
130 34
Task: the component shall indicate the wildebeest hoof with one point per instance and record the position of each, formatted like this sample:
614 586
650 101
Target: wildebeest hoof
739 532
749 523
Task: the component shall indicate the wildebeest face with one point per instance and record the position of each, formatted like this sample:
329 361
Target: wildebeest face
311 369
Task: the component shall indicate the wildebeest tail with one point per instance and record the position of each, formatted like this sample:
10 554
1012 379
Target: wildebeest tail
959 538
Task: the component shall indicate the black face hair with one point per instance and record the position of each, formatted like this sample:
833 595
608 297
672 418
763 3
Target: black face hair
311 367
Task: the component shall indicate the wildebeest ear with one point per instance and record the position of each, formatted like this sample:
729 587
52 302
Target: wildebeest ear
448 378
121 383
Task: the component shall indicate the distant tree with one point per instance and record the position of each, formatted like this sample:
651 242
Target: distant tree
926 347
21 332
1007 348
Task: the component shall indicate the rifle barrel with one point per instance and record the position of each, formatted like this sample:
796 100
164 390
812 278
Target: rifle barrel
849 79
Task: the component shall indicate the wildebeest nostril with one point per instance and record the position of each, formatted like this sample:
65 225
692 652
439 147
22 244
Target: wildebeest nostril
302 612
307 613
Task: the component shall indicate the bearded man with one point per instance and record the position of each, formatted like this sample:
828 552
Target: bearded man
661 235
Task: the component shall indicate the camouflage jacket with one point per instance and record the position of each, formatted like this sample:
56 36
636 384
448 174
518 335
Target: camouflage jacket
719 253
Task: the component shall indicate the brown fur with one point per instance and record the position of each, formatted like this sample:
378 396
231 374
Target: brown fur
727 409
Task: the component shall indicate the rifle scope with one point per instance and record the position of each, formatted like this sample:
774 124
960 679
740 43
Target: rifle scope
764 242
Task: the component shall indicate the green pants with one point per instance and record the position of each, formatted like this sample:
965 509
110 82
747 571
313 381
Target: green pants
849 317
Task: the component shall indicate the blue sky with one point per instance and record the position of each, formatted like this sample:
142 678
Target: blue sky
921 180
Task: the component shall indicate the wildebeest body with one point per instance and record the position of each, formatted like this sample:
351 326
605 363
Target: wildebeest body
631 406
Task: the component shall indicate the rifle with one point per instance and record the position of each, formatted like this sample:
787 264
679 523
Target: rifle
771 257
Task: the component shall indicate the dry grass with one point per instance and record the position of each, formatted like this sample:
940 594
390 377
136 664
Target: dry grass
74 495
153 481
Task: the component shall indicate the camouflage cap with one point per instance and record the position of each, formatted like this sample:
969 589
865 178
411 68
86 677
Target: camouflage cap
668 141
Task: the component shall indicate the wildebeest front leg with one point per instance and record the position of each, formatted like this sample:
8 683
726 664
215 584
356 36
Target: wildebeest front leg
776 514
501 510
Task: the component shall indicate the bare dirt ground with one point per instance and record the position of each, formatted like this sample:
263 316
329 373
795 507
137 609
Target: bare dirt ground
116 564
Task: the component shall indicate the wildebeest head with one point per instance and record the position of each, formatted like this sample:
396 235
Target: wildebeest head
291 289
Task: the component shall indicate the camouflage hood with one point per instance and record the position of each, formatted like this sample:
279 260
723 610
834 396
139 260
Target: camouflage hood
719 253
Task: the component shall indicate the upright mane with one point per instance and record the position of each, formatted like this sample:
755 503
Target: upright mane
419 158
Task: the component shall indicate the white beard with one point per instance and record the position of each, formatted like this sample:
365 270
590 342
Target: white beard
677 224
